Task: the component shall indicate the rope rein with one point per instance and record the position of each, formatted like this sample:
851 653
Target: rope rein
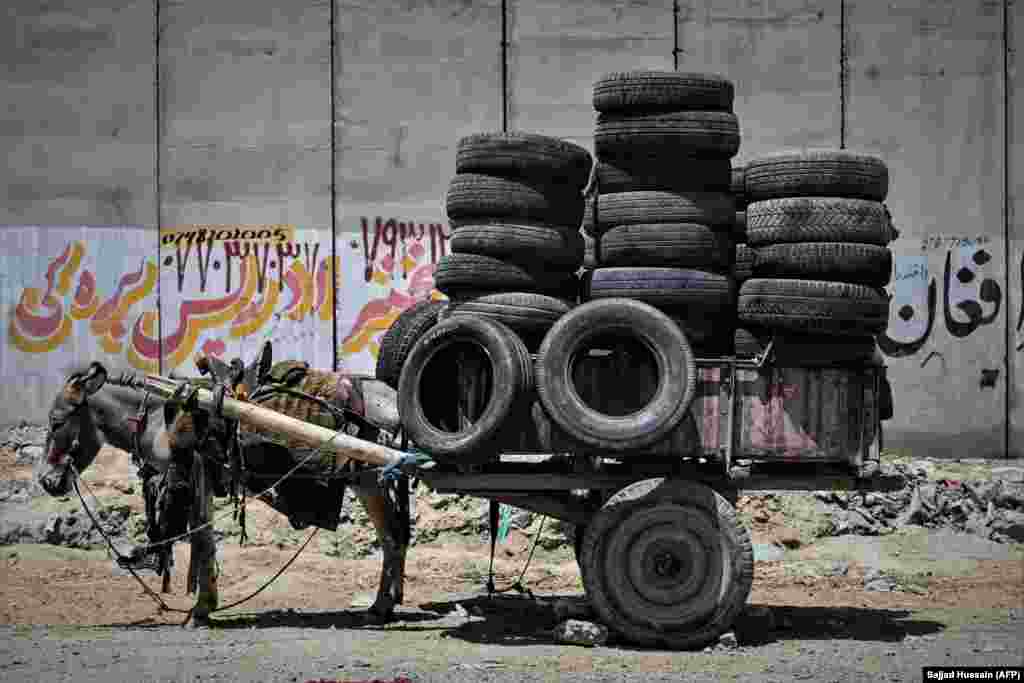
164 607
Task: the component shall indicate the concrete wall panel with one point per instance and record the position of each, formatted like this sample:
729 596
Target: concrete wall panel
246 113
412 78
783 59
559 49
1015 300
77 128
246 108
926 96
68 296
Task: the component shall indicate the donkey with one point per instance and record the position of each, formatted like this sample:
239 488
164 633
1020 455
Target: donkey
88 413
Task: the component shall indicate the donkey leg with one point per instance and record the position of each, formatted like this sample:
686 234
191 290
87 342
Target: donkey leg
204 554
394 545
204 550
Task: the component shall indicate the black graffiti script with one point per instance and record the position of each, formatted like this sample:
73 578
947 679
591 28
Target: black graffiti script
1020 316
989 292
391 234
268 258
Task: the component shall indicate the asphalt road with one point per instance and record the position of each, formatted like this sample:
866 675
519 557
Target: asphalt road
508 641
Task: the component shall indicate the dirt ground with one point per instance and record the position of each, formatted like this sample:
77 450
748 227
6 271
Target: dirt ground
67 614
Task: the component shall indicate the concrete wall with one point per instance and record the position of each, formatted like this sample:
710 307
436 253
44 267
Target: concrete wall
1015 301
245 96
936 116
411 78
77 129
782 57
242 141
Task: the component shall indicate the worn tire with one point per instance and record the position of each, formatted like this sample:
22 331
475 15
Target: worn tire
814 306
804 350
428 366
743 268
739 227
714 209
823 219
590 249
405 331
709 331
473 197
521 244
665 174
667 563
698 134
554 162
457 274
664 287
659 91
862 264
528 315
680 245
675 371
737 186
830 173
681 442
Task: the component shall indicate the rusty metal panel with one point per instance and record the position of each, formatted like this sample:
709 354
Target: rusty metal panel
791 414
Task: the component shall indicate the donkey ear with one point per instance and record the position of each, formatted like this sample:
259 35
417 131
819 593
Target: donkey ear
265 362
94 379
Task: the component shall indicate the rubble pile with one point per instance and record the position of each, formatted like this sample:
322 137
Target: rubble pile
70 529
26 440
993 509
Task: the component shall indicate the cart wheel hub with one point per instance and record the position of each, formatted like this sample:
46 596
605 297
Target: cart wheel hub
667 565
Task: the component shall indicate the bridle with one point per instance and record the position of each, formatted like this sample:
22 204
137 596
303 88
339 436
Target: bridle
62 460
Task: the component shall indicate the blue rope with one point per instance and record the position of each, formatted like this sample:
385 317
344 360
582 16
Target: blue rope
411 460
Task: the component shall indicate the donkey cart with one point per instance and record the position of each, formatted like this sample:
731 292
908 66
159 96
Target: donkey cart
664 558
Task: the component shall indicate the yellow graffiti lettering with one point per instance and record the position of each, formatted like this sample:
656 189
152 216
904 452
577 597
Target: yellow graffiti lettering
250 326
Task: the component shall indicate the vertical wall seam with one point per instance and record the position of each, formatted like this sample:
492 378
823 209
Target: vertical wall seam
675 35
1007 390
504 66
158 121
842 74
334 190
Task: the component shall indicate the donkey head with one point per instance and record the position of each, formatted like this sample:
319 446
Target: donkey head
75 429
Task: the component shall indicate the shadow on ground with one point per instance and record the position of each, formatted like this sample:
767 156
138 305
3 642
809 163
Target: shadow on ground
516 621
338 619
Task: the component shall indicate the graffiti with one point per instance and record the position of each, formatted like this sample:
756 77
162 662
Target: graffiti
940 242
200 234
44 319
1020 316
399 271
912 291
39 322
391 235
231 254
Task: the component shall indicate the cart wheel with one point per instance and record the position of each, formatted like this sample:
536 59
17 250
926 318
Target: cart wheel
577 545
667 563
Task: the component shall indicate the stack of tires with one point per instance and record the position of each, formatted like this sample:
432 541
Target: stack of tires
663 215
817 233
741 269
515 205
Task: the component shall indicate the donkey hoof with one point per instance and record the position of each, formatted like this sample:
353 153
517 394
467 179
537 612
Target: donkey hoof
198 621
381 612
